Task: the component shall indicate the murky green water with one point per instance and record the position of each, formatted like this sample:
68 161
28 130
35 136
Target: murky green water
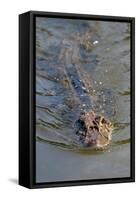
100 51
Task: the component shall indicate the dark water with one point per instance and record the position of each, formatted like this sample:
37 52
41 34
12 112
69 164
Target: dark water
100 52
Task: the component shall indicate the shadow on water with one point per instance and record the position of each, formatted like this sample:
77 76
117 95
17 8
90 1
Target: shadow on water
13 180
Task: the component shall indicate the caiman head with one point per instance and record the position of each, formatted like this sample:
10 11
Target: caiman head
95 130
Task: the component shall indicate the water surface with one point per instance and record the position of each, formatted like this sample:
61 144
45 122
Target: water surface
101 53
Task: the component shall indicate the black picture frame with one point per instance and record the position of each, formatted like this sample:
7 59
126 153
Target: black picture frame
27 149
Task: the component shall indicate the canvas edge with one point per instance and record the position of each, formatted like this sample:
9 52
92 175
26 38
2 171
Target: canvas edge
25 143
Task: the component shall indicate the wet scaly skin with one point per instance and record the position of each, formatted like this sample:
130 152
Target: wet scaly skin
94 130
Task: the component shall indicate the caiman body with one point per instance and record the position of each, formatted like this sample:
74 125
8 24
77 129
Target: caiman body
93 129
78 79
